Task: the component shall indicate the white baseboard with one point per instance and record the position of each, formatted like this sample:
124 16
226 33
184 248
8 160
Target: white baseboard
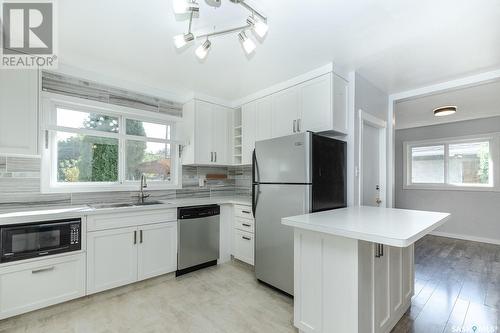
467 237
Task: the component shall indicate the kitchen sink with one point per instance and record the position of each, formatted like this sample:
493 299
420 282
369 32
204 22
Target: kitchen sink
148 203
111 205
126 204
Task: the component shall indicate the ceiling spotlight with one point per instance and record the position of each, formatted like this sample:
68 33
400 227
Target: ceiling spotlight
202 50
181 40
247 43
445 111
185 6
260 27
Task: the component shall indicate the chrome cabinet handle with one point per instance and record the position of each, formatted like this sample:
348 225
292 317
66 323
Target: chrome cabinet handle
298 125
245 211
294 125
246 225
379 250
41 270
215 153
135 236
140 237
245 237
211 156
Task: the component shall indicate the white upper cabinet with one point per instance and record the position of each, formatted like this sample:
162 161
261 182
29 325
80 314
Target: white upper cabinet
256 121
319 104
316 105
248 132
206 132
263 119
340 104
285 111
19 112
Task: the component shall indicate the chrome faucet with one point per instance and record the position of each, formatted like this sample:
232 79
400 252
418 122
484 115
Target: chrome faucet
144 185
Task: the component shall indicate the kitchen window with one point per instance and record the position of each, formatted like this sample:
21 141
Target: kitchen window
460 163
97 147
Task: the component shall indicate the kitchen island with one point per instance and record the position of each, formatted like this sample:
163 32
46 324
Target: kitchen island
353 267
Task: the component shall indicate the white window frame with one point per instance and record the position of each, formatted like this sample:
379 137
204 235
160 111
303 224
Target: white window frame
48 145
494 184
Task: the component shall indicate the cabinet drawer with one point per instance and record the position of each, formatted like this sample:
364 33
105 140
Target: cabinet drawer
135 218
243 211
243 246
31 286
244 224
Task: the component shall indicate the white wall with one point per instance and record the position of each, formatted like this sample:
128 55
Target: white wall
372 100
474 214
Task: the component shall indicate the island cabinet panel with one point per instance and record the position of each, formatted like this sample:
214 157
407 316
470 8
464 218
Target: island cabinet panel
348 285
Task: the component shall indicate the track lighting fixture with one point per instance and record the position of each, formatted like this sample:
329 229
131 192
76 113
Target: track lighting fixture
256 22
181 40
259 27
185 6
202 50
248 44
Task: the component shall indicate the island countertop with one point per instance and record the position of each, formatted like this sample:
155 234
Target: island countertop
389 226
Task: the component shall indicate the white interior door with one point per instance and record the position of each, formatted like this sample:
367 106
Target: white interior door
372 160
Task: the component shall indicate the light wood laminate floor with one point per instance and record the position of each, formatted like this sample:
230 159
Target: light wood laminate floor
457 287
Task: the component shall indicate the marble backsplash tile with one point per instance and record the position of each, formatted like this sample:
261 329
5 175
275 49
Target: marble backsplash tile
20 186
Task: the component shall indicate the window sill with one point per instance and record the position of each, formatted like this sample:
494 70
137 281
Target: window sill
452 188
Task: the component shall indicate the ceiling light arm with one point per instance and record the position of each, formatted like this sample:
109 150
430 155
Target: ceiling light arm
224 32
250 8
190 21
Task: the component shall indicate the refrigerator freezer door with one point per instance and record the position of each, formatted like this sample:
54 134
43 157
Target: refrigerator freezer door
274 241
283 160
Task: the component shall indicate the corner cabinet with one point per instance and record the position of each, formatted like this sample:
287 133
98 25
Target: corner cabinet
206 132
19 91
317 105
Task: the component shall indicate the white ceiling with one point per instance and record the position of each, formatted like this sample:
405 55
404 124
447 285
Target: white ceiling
398 45
472 103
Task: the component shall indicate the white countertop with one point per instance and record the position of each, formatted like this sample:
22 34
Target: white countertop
39 214
389 226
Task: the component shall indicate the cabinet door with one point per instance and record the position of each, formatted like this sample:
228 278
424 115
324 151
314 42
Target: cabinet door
243 246
111 258
19 112
157 250
382 299
408 274
340 103
220 138
203 133
263 119
316 110
248 131
285 111
396 278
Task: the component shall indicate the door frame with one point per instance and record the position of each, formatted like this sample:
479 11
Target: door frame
365 118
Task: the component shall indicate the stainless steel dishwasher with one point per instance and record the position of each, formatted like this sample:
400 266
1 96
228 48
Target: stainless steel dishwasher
198 237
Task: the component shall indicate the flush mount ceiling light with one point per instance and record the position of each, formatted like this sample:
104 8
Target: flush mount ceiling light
255 22
445 111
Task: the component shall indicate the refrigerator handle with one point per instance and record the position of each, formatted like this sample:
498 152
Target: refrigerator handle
253 182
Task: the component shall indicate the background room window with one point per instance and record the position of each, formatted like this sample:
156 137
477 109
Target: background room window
457 163
89 149
469 163
427 165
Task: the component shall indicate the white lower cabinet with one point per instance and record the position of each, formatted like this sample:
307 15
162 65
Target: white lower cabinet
243 246
38 284
111 258
121 256
157 250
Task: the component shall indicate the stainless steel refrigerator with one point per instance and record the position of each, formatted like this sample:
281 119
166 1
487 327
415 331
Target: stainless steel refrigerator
292 175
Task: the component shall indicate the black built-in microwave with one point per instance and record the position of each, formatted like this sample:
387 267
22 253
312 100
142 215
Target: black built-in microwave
32 240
